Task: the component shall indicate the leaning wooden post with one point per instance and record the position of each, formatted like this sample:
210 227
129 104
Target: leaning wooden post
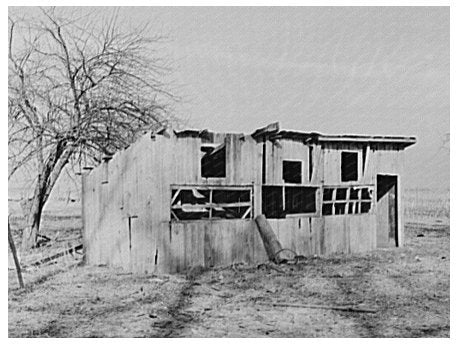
16 260
271 243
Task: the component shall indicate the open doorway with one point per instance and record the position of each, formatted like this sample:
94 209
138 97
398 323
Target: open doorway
387 211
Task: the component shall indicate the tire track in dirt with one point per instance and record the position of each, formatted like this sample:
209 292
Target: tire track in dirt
404 308
354 290
177 318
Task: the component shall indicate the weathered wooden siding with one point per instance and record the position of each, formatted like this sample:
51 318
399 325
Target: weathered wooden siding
213 243
349 233
331 160
111 205
138 193
285 150
223 242
303 235
326 235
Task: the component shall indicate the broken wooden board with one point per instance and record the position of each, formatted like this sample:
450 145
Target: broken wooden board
58 255
338 308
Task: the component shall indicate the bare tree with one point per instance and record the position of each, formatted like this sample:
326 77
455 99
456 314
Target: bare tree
78 89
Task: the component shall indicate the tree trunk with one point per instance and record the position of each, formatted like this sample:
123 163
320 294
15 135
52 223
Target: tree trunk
16 260
46 181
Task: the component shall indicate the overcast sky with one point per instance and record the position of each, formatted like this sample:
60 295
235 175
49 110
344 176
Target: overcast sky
363 70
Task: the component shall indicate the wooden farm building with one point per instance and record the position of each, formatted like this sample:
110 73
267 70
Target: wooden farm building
173 200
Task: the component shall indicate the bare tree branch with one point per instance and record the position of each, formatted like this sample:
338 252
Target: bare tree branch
76 91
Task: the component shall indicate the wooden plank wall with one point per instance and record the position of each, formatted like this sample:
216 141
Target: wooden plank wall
285 150
326 235
212 243
331 160
349 233
138 192
303 235
109 206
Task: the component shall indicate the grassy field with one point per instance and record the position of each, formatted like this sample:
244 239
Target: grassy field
426 203
407 287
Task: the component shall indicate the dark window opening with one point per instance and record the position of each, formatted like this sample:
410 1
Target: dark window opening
365 207
349 167
339 208
384 185
327 194
365 193
350 208
354 193
213 163
341 194
230 196
327 209
272 201
300 200
296 200
292 171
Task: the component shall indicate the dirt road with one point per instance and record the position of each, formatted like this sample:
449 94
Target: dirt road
408 288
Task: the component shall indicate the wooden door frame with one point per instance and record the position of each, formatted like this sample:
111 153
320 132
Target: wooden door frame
397 234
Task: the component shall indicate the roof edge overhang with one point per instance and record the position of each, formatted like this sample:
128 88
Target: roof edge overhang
272 132
403 141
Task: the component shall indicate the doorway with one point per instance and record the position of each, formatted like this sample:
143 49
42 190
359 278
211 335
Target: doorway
387 211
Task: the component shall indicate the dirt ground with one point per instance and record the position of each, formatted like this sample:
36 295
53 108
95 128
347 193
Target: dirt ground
407 287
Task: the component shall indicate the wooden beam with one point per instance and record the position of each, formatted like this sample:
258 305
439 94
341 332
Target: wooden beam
57 255
246 213
268 130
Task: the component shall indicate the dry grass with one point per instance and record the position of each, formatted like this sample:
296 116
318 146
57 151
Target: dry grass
426 203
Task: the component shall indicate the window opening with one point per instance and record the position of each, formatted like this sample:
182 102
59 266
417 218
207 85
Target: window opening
341 194
365 207
300 200
327 194
365 193
292 171
339 208
213 163
354 193
198 203
349 166
279 201
359 200
327 209
272 201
